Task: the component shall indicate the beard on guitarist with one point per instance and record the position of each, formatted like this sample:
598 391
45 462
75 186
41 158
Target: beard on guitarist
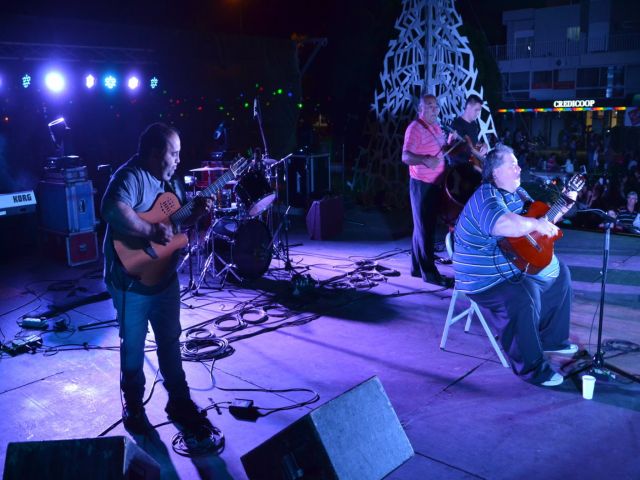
138 223
530 311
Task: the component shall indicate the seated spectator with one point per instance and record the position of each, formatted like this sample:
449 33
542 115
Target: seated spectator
627 215
568 166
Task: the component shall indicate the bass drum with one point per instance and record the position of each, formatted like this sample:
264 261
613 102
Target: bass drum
246 244
459 184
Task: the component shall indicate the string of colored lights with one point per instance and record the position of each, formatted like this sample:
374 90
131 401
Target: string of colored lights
560 109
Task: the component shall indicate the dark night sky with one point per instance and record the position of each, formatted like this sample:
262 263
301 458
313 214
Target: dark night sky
279 18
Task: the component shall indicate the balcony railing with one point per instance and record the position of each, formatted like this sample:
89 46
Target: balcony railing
566 48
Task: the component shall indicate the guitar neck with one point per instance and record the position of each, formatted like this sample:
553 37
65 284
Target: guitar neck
179 216
575 184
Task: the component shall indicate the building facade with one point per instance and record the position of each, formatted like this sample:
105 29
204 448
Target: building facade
577 63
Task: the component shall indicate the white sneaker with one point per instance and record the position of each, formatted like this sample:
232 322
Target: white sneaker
568 350
554 381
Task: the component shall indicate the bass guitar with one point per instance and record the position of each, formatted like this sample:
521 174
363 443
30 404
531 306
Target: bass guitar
533 252
463 145
148 261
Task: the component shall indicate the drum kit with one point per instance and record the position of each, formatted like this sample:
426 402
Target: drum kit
241 238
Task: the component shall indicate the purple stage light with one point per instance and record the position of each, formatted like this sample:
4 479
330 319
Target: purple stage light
54 81
133 83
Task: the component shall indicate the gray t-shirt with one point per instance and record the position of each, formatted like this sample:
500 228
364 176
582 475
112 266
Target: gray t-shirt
135 186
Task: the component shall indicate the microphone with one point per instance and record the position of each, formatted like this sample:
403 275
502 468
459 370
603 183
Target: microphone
219 131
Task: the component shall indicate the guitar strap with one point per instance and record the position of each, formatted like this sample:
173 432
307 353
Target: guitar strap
426 127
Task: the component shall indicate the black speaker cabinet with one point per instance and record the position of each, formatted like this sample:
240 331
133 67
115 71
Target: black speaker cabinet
354 436
104 458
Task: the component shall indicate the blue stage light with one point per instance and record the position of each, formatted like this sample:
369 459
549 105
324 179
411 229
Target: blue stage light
26 80
90 81
110 82
153 83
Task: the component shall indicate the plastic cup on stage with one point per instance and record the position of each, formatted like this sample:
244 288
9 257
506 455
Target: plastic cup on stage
588 385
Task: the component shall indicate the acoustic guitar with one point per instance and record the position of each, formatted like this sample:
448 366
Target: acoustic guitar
148 261
533 252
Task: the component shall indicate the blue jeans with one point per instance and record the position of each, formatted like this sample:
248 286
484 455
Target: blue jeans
135 312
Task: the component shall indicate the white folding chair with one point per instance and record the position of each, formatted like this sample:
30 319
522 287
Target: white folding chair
468 313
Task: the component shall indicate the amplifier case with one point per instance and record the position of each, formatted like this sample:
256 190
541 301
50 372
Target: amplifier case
75 248
66 207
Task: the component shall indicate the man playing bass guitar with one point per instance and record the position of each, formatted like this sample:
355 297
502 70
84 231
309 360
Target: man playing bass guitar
530 311
467 128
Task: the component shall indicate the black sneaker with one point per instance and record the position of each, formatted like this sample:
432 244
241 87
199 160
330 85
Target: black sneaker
437 279
135 420
189 417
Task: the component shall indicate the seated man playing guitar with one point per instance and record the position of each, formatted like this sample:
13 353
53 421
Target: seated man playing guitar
530 310
137 224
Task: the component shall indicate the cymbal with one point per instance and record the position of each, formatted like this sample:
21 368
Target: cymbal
209 169
269 161
232 182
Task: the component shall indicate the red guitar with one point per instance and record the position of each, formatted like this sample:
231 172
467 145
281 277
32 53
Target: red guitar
532 252
148 261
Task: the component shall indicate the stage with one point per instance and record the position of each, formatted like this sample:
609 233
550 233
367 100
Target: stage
465 415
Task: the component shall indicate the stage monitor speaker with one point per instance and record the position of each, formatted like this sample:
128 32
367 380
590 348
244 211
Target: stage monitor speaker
354 436
104 458
325 218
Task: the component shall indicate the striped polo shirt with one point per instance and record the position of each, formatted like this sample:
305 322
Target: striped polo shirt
478 261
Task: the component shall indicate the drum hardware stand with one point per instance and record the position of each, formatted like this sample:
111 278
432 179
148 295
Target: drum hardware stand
210 266
190 248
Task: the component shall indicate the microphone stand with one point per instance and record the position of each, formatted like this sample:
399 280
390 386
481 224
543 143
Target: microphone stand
280 248
258 117
597 366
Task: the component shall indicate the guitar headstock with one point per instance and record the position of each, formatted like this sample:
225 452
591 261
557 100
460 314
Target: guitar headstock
576 182
240 166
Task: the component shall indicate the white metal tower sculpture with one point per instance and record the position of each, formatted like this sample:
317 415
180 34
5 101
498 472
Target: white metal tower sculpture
428 56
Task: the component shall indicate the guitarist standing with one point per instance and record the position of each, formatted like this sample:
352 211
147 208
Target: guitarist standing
132 191
530 312
468 129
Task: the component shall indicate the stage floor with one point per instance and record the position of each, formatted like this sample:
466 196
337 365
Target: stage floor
465 414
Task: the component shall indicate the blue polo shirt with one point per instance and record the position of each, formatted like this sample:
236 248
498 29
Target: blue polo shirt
478 262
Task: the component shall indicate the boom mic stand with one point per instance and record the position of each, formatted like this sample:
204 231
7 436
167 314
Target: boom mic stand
258 116
597 366
279 247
